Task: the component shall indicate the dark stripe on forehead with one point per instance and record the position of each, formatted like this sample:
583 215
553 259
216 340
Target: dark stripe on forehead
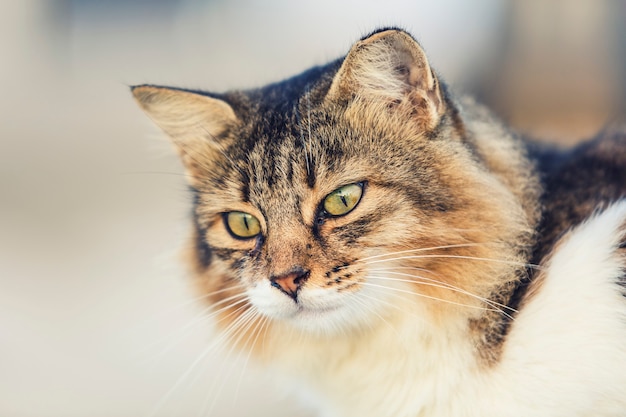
245 186
279 156
268 156
305 138
311 174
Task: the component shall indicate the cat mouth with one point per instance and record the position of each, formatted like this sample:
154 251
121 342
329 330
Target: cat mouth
318 319
310 309
314 311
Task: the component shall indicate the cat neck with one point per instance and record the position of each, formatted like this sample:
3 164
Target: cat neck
345 369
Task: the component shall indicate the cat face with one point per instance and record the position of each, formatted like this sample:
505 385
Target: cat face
305 215
323 201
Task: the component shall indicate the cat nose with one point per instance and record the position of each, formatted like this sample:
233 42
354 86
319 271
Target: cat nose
291 282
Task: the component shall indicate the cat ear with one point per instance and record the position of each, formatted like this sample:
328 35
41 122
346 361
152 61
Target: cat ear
390 67
196 123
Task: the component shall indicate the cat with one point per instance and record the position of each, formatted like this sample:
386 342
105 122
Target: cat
398 250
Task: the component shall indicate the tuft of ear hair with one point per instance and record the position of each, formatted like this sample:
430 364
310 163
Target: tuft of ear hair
195 122
389 66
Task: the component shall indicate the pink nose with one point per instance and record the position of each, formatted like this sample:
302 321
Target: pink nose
291 282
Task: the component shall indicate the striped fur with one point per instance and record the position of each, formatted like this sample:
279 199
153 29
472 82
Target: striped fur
477 276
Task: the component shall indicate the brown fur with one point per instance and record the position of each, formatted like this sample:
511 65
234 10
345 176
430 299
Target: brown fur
441 178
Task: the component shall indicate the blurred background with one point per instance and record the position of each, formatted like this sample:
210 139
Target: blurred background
97 317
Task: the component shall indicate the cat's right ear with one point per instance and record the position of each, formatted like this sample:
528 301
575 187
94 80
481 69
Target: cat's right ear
196 123
389 68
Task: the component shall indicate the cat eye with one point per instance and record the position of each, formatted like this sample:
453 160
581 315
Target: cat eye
343 200
242 225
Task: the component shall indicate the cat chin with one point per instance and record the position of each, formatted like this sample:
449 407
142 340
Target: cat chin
317 311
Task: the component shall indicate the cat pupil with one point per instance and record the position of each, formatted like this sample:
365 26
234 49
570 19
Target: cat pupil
343 200
242 224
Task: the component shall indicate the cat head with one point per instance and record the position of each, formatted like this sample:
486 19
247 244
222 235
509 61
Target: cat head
328 200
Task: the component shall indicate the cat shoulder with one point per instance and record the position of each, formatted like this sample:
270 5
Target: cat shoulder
578 183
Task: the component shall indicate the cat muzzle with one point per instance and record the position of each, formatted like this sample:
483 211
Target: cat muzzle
291 282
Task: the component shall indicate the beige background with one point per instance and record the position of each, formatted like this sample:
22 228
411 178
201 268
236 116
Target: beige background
96 315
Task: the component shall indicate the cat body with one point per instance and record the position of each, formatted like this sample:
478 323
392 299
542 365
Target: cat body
393 251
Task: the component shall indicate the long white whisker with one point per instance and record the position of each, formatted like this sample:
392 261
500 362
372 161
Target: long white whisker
258 329
474 258
390 268
386 302
371 309
435 284
460 245
241 330
441 284
187 303
202 314
202 317
426 296
198 359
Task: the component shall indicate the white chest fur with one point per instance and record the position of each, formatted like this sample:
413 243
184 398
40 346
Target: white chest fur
390 372
565 354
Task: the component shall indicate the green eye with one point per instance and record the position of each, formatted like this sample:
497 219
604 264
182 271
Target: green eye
343 200
242 224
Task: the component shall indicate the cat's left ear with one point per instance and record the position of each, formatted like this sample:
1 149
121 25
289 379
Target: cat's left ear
196 123
182 113
390 67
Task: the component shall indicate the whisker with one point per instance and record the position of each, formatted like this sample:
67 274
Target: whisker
189 302
198 319
198 359
446 286
426 296
362 294
258 329
473 258
415 268
387 302
442 283
240 332
460 245
403 312
243 321
367 307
